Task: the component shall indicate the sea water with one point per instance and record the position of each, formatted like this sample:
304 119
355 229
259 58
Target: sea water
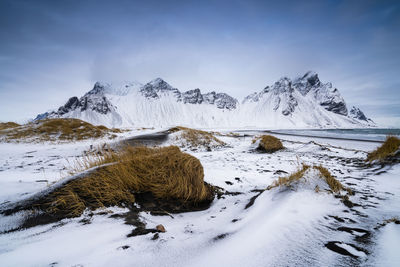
373 134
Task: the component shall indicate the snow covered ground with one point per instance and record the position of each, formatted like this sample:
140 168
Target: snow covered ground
245 228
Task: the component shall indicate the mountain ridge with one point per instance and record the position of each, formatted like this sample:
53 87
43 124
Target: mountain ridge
302 102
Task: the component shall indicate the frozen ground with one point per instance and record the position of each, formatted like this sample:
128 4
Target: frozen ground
278 228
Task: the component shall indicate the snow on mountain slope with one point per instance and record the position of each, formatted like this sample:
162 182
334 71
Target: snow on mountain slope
303 103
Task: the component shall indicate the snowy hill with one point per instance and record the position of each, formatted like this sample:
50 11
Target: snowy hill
305 102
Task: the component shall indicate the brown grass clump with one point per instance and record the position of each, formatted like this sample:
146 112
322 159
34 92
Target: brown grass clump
395 220
333 184
166 172
197 138
8 125
57 129
269 144
287 181
387 149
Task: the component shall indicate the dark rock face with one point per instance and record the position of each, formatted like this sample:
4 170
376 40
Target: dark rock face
93 100
335 107
222 100
192 97
210 98
225 101
99 104
157 87
284 91
282 94
98 88
291 105
327 96
309 85
306 83
42 116
356 113
71 104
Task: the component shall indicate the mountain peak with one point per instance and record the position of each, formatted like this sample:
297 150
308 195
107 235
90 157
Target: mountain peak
283 85
156 86
311 77
121 88
305 83
98 88
158 82
356 113
283 80
310 73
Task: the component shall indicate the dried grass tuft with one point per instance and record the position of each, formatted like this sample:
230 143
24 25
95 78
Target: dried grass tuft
332 182
166 172
269 144
387 149
287 181
395 220
8 125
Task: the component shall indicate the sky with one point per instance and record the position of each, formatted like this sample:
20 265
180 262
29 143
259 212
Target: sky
52 50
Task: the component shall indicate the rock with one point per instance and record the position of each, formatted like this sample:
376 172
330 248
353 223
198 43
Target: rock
327 96
71 104
192 97
94 100
157 87
161 228
284 91
307 82
356 113
222 100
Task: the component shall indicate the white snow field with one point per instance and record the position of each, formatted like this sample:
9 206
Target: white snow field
248 227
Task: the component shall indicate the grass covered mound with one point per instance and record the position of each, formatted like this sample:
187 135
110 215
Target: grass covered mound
269 144
56 130
167 173
8 125
288 180
334 185
387 149
195 139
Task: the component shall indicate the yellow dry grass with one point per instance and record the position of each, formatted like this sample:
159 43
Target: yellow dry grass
197 138
57 130
166 172
387 149
287 181
8 125
269 144
332 182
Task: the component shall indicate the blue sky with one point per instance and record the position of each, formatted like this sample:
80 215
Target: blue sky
51 50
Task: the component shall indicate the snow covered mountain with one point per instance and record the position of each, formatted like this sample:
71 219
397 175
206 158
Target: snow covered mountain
305 102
